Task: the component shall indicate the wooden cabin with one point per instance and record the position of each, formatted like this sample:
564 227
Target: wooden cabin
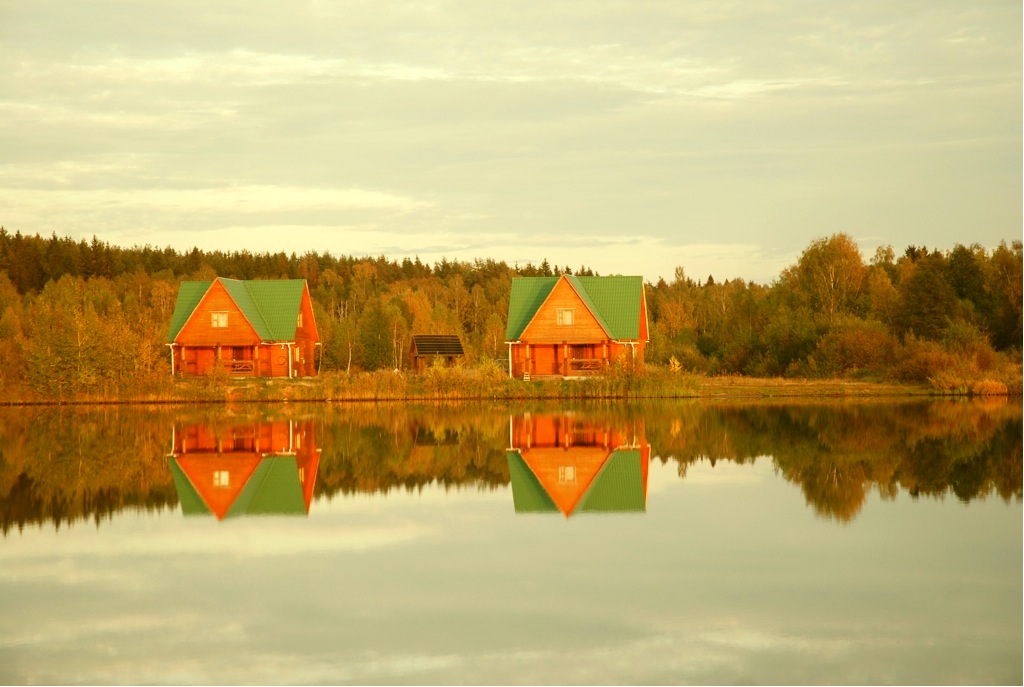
426 348
573 326
246 328
570 464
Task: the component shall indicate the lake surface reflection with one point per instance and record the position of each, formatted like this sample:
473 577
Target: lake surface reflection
847 542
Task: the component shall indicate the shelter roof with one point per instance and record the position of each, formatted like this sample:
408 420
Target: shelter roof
437 344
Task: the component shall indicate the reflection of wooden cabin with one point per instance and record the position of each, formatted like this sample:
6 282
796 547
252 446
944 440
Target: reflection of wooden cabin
573 326
426 348
262 468
246 328
564 463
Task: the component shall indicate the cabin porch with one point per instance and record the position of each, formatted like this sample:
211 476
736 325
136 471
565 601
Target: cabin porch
260 360
559 360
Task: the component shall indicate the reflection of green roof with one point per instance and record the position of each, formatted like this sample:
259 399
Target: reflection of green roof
614 301
617 488
189 295
273 489
528 496
191 502
270 306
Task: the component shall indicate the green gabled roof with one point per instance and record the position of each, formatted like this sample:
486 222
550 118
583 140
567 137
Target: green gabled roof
528 294
618 488
618 299
528 495
614 301
273 489
270 306
190 500
189 295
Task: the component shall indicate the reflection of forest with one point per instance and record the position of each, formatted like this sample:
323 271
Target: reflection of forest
64 465
838 452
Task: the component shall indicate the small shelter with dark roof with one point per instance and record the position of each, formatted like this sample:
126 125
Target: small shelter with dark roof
428 347
247 328
572 326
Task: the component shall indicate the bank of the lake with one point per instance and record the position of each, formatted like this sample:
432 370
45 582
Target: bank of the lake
468 384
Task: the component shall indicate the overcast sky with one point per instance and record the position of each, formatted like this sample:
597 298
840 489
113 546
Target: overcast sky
630 137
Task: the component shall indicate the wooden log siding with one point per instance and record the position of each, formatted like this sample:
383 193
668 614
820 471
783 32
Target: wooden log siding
214 332
559 327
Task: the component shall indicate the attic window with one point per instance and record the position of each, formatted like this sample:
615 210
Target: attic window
221 478
218 320
565 316
566 473
298 323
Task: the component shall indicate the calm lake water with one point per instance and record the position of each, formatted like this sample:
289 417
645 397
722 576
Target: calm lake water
683 542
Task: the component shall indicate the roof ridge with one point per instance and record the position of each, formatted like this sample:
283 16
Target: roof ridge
256 303
580 288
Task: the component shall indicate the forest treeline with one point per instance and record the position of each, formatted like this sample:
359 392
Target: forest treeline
81 318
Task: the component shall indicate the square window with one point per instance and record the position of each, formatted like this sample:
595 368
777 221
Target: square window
218 320
221 478
565 316
567 473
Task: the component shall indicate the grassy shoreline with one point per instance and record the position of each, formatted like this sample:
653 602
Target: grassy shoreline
471 385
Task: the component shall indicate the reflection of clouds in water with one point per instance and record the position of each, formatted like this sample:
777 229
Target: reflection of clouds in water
252 538
680 656
68 632
66 572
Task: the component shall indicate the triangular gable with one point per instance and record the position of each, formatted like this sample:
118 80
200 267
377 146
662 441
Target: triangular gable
566 475
271 307
587 325
216 287
598 482
617 303
218 479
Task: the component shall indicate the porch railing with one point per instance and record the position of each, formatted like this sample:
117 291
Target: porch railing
586 365
240 367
